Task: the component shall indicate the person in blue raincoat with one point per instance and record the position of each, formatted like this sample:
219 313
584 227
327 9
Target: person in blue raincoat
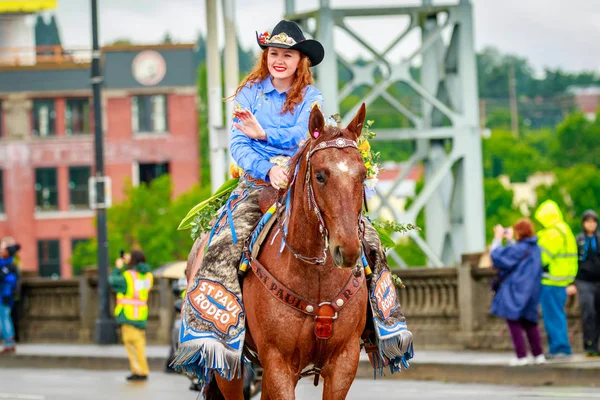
9 277
518 287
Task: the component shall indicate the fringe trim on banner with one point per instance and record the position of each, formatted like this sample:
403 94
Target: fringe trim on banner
203 357
397 350
394 351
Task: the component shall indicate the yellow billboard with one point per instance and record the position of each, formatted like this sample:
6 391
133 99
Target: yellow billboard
26 6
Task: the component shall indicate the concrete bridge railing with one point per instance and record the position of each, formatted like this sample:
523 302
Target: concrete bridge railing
446 308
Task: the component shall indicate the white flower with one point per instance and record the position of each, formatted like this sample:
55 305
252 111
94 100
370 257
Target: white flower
330 121
370 183
375 170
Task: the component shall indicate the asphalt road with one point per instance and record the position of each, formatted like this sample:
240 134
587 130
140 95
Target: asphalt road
46 384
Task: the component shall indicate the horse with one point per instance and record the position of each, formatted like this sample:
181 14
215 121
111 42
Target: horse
313 309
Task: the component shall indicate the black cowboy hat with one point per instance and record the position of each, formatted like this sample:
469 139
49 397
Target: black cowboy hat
288 35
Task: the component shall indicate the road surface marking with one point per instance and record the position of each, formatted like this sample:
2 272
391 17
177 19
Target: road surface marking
21 396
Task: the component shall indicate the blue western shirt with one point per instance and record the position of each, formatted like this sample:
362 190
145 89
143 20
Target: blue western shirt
284 131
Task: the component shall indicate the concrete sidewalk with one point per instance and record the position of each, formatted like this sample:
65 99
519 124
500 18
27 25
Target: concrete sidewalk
452 366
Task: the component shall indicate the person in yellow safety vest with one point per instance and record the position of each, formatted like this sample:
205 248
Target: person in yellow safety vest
133 287
559 260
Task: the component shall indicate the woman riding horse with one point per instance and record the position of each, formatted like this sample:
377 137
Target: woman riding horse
272 108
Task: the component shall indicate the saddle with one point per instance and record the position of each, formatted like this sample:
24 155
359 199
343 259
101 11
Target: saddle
267 197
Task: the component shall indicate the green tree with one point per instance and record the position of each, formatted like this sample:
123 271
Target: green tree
542 140
499 207
582 183
493 72
146 219
410 252
499 118
578 141
84 255
577 189
167 39
503 154
122 42
201 82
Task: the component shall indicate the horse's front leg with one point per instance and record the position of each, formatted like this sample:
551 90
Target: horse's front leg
278 380
340 370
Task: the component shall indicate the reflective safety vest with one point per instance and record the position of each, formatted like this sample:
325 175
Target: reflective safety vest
559 254
134 302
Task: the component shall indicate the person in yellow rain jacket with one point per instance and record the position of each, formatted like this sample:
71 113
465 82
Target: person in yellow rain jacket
559 261
133 287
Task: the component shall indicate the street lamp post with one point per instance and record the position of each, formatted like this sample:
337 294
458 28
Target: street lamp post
105 332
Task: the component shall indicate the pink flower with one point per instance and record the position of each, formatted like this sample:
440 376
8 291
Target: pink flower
262 38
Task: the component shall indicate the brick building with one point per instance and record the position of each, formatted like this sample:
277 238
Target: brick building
150 126
587 100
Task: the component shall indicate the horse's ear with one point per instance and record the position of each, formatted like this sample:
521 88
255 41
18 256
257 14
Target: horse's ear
356 125
316 123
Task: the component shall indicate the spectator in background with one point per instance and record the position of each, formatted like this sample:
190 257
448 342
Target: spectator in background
133 287
588 282
518 287
9 278
559 261
9 241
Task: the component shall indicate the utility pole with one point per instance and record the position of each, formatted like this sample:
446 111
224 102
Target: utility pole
232 67
512 91
217 135
105 332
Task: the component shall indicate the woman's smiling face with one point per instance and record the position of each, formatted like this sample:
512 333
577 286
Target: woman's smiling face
282 63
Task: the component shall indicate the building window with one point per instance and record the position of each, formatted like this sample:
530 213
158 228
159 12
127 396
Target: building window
78 187
49 258
77 116
149 114
46 193
44 118
149 172
1 192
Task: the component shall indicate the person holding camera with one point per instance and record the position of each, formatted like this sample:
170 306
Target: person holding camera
518 287
133 287
9 278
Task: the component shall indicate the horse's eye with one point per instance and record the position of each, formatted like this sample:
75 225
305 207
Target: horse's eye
320 177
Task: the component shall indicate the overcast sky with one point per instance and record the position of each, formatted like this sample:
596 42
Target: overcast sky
551 33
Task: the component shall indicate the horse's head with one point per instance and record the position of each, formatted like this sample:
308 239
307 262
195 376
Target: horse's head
336 173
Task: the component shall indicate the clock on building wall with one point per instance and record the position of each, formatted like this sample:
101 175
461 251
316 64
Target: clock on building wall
149 68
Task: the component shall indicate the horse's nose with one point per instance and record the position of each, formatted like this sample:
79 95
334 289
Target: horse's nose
338 258
345 257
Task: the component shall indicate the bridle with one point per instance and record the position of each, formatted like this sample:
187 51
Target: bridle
324 312
339 143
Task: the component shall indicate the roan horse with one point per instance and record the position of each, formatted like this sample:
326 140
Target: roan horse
327 202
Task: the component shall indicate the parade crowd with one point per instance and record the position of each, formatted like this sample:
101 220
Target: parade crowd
545 268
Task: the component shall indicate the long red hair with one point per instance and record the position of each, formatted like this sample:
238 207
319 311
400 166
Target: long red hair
523 229
295 95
